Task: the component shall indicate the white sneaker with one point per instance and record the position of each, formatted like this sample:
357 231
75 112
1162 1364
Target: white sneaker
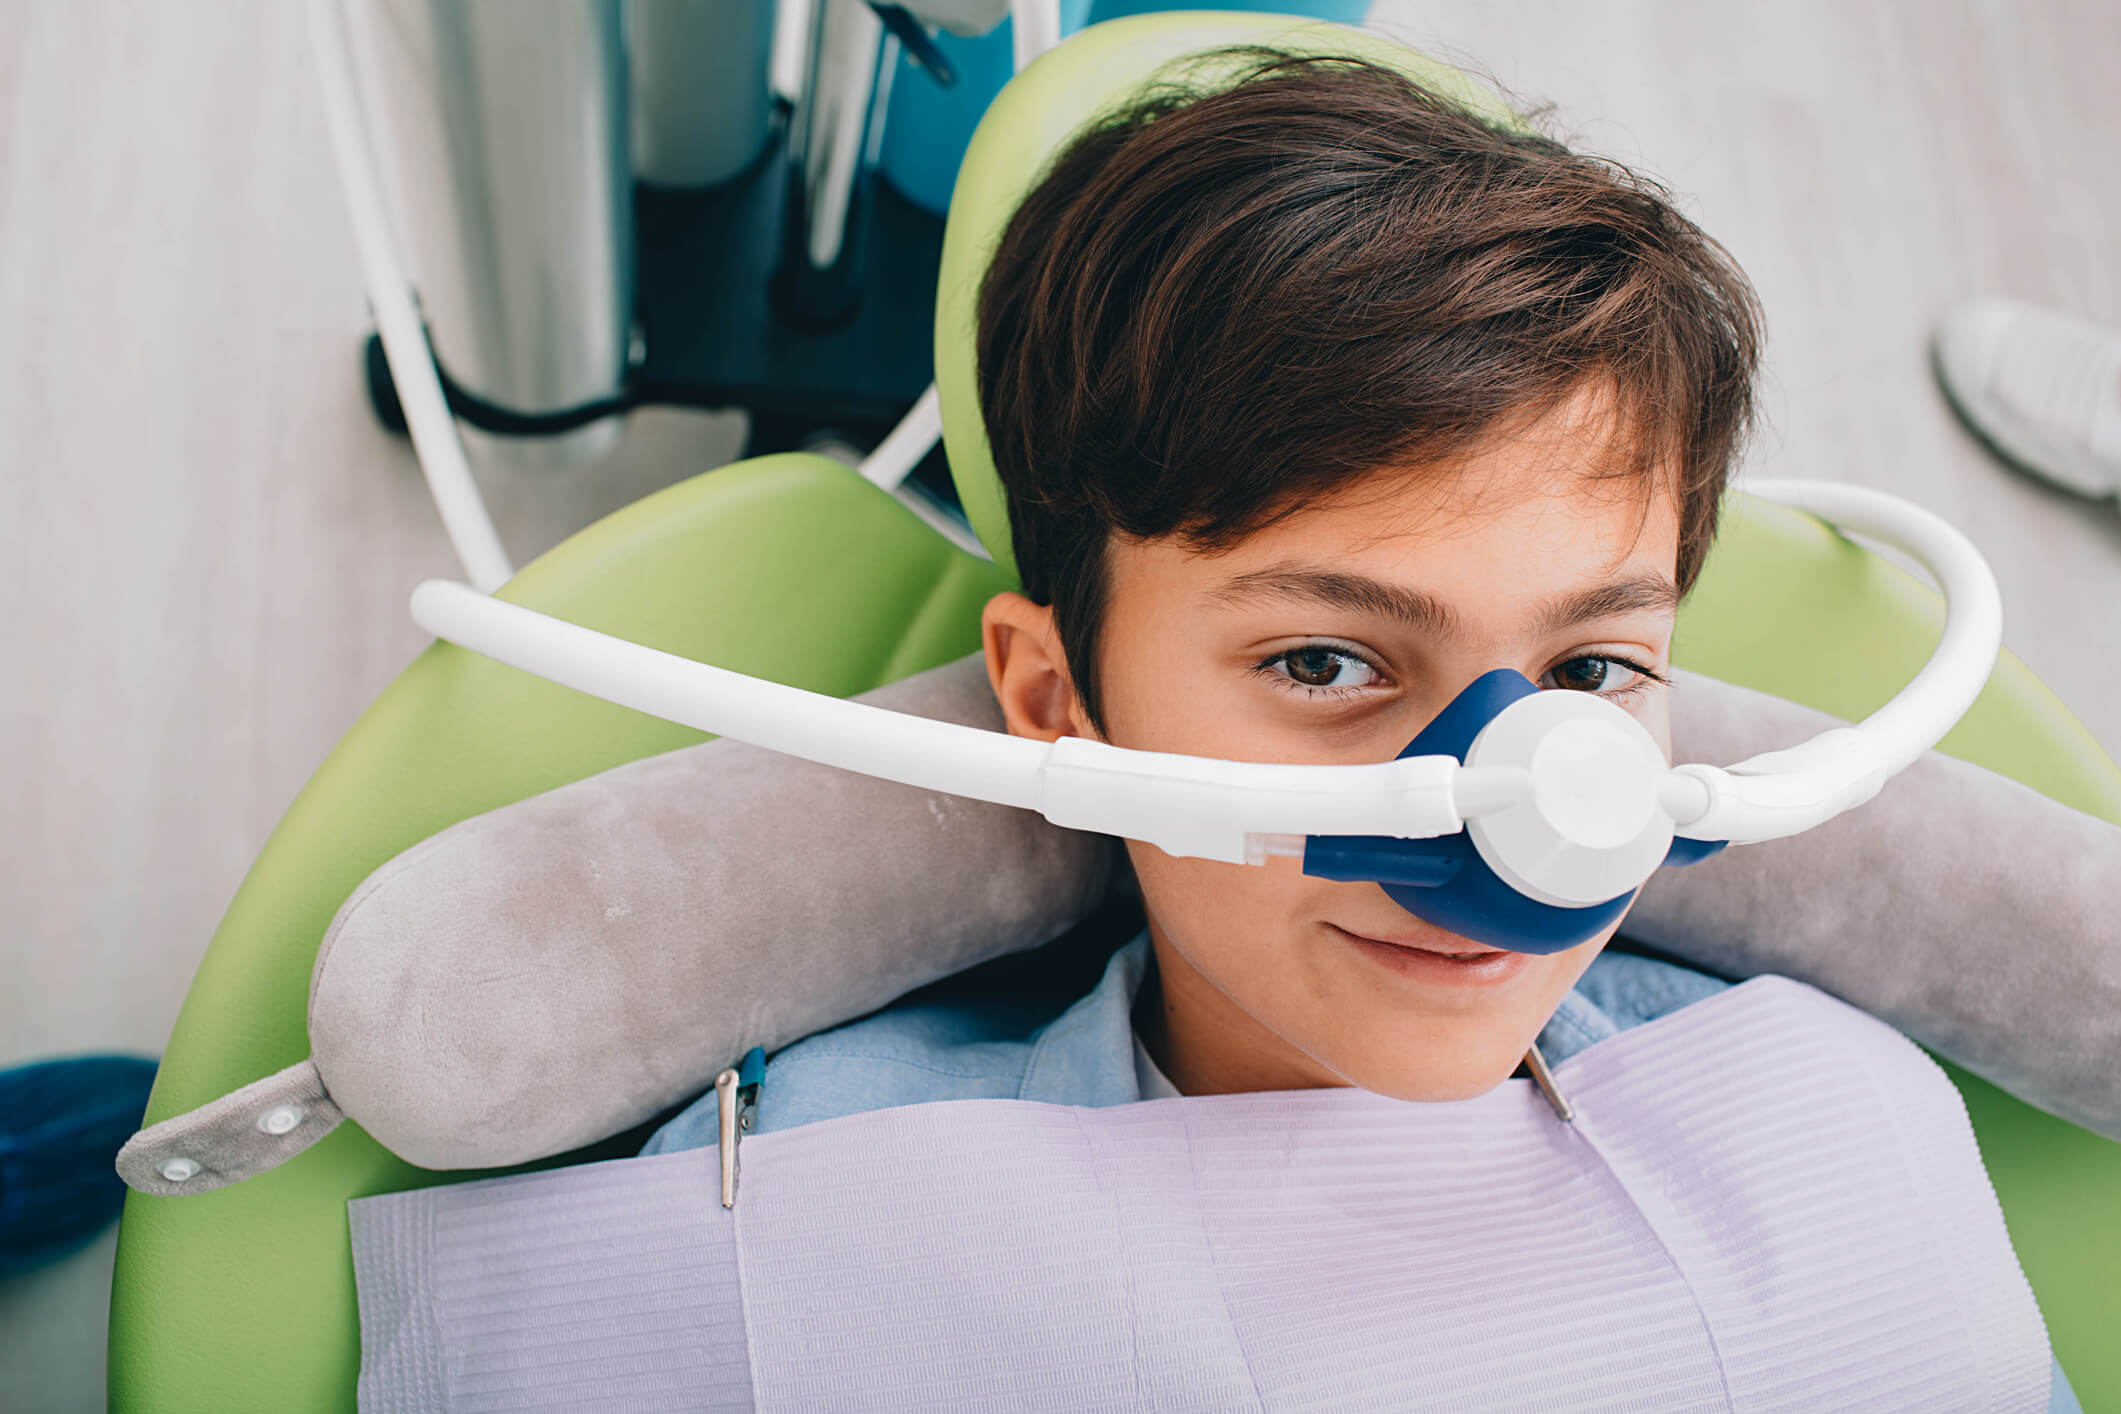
2040 387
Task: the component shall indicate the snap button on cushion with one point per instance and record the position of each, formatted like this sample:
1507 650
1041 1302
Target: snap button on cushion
281 1119
178 1170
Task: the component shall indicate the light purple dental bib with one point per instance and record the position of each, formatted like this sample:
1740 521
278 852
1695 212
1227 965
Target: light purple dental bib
1767 1201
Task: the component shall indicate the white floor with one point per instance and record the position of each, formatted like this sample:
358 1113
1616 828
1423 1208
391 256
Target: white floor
208 543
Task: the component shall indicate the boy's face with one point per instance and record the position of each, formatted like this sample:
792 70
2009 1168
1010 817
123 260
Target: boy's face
1334 635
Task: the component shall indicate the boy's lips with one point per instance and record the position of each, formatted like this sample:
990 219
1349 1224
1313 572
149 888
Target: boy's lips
1458 947
1430 958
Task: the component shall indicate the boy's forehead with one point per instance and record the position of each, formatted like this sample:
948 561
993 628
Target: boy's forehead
1540 524
1549 529
1507 571
1513 552
1577 479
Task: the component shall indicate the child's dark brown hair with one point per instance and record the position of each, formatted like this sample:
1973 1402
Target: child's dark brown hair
1224 301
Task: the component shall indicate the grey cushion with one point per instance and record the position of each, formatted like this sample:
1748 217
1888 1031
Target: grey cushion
1973 913
554 972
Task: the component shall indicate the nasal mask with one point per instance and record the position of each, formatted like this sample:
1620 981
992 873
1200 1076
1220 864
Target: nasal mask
1523 819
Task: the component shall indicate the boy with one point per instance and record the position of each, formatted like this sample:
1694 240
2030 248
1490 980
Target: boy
1314 399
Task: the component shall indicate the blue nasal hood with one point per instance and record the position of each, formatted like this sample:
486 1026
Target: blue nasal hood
1443 880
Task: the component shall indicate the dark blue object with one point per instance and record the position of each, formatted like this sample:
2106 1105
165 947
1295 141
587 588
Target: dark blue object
913 37
62 1123
1444 880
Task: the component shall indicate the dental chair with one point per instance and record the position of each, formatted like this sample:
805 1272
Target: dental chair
793 567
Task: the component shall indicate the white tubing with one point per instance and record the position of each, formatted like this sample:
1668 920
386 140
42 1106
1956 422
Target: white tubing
1231 810
1034 27
1202 807
412 370
898 454
911 750
1937 697
1187 805
1782 793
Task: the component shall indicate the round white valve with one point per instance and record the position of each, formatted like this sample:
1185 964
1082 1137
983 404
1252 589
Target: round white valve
1591 827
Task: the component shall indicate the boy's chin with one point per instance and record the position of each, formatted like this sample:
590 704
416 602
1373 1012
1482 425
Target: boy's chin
1430 1079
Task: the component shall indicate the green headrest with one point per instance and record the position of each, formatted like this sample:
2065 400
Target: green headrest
1092 73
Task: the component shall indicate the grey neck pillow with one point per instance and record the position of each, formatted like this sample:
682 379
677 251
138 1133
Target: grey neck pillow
581 961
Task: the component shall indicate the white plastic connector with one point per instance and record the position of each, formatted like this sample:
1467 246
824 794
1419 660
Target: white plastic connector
1684 797
1261 848
1592 825
1202 808
1782 793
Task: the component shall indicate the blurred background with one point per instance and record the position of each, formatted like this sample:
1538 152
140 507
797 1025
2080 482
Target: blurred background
209 538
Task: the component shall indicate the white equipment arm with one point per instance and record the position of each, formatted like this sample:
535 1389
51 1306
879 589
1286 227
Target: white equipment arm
412 369
1035 27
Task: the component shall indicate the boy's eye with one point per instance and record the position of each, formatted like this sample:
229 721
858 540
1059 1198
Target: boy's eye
1315 665
1615 677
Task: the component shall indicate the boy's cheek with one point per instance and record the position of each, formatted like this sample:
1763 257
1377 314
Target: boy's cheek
1655 714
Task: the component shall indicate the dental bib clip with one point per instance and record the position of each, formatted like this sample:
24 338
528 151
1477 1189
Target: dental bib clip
1519 818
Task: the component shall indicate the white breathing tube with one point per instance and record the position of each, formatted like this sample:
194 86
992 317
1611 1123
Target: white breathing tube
1187 805
1231 810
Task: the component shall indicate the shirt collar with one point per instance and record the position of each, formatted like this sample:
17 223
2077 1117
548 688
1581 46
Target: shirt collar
1085 1056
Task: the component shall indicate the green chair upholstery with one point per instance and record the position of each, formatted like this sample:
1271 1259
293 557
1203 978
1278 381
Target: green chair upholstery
788 567
793 568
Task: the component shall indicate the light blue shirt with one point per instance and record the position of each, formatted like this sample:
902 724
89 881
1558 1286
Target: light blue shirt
989 1045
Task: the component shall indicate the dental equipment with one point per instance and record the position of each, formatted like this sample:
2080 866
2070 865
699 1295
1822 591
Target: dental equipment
1521 818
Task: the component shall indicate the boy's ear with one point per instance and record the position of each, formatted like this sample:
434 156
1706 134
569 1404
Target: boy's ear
1028 669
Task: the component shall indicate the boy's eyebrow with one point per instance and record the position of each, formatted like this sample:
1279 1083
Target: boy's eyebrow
1622 596
1334 590
1430 615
